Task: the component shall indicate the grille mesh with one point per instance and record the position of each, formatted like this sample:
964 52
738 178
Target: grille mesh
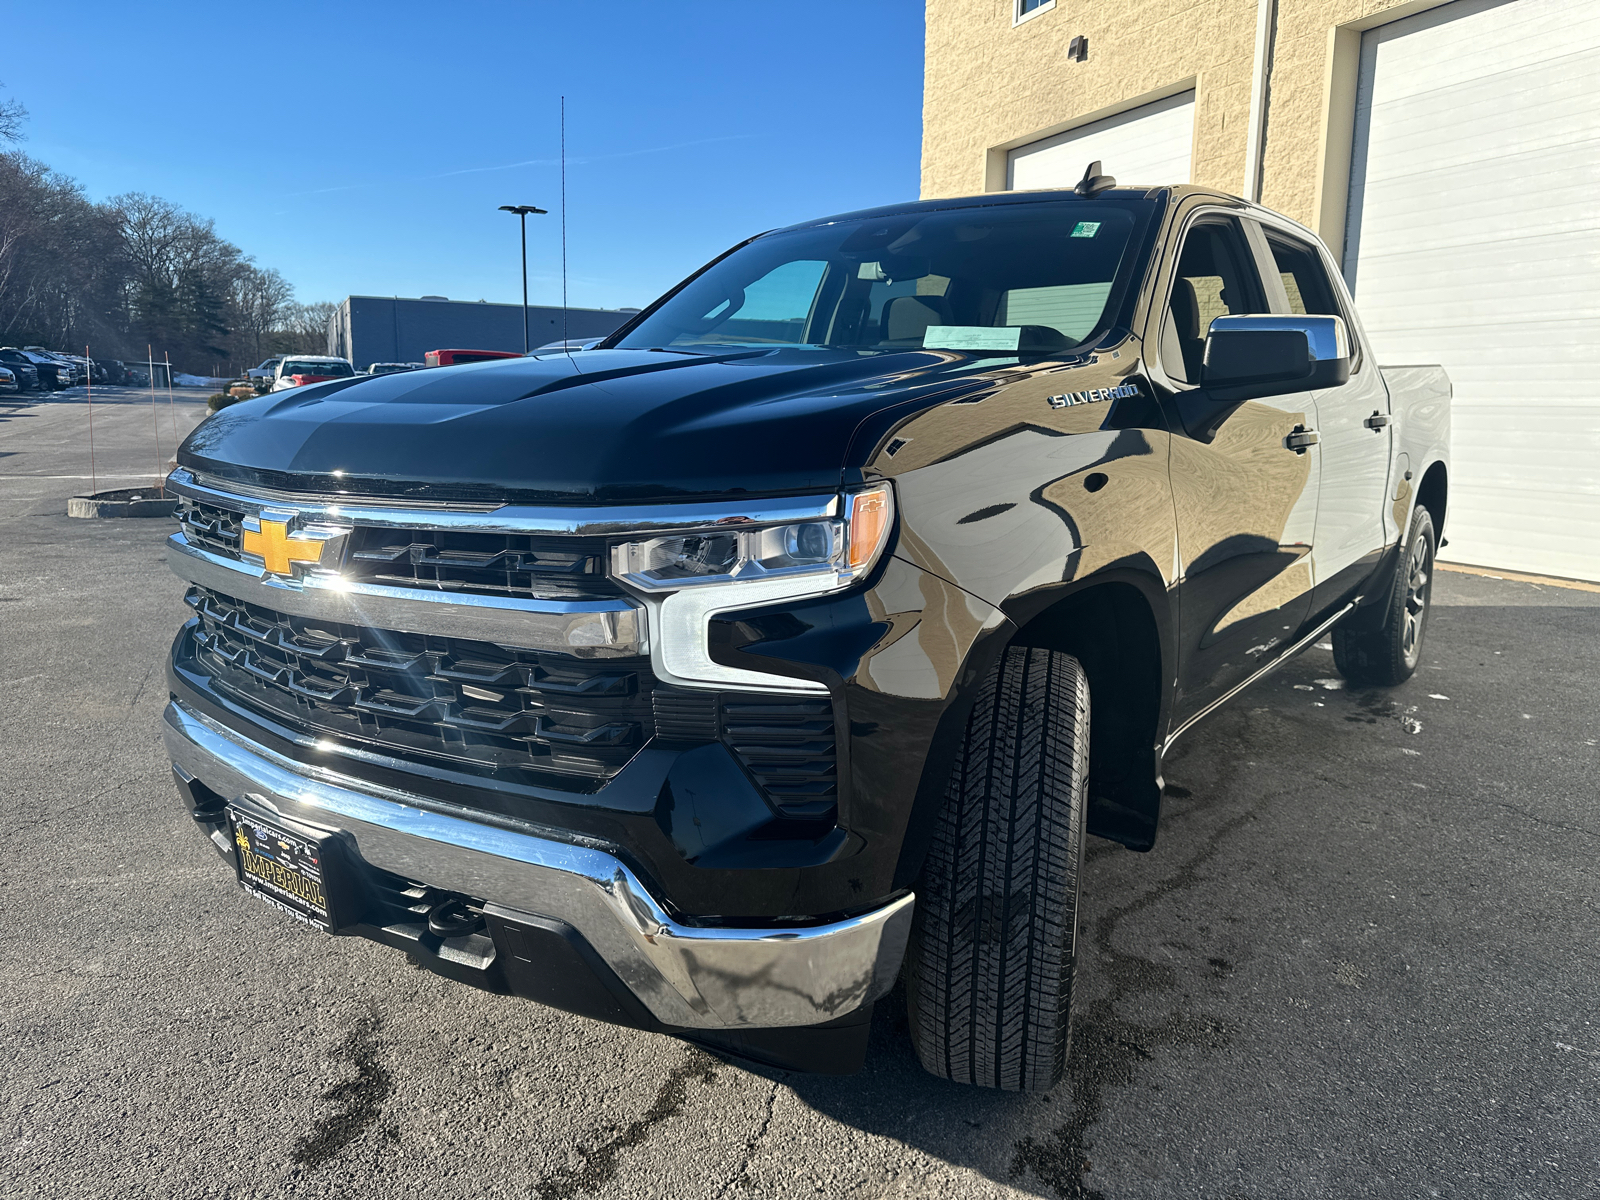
481 563
513 714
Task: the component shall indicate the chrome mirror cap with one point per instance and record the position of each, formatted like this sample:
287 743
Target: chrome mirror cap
1327 337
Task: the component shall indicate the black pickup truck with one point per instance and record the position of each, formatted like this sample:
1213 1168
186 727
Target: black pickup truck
796 636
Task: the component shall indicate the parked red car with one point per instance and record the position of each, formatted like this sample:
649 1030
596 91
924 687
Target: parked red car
449 358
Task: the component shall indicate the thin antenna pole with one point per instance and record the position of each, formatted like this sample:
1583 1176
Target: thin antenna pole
94 482
172 407
155 421
564 229
524 218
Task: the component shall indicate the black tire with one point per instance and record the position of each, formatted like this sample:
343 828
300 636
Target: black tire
1388 653
989 972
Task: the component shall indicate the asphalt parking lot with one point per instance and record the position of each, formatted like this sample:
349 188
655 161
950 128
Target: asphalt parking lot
1361 962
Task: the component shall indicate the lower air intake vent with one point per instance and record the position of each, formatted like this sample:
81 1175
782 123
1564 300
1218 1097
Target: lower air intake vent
685 716
787 745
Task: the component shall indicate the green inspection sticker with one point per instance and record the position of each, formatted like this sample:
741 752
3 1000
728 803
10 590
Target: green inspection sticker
1086 229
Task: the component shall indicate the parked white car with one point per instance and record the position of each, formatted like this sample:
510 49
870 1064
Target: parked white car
301 369
263 375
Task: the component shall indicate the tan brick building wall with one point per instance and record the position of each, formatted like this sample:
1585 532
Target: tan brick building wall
991 86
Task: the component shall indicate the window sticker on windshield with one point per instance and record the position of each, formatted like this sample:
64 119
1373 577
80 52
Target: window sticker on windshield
971 337
1086 229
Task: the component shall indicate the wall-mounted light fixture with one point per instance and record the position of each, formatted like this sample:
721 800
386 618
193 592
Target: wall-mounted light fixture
1078 49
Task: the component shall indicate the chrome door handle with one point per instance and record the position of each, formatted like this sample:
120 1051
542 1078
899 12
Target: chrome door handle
1299 438
1376 421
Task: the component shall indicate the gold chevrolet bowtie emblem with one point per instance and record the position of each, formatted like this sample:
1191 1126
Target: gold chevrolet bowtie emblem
269 539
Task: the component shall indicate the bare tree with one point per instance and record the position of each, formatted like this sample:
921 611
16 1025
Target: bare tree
307 327
12 115
263 299
132 272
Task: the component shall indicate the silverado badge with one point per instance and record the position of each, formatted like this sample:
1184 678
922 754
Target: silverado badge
1093 396
268 538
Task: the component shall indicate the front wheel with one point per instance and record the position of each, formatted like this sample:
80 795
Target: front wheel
1388 654
989 974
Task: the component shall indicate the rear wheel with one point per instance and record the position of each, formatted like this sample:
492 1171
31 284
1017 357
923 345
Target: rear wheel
989 975
1388 653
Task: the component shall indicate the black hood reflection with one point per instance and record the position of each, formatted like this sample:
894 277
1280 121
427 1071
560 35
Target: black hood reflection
607 425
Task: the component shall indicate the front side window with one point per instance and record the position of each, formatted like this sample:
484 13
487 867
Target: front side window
998 279
1214 278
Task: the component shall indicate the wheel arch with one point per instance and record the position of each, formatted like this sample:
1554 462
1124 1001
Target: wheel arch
1112 626
1433 493
1129 711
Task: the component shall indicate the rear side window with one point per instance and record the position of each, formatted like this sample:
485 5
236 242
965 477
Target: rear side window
1304 278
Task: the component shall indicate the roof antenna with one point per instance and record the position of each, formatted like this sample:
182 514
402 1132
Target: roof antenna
1093 183
566 343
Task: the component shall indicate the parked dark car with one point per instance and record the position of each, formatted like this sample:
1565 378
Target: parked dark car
54 375
113 370
23 367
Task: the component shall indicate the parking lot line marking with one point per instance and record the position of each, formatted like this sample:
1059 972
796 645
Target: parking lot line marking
1577 585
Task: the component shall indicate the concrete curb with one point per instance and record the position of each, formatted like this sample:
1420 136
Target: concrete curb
90 506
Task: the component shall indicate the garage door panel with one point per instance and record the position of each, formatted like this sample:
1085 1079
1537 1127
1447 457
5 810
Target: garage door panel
1531 110
1474 241
1463 42
1560 210
1150 144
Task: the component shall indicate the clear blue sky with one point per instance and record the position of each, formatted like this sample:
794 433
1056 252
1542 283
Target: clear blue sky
363 148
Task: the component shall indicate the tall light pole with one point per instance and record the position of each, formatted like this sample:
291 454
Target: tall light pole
522 211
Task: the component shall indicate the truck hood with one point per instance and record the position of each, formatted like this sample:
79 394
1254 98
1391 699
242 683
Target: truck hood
602 426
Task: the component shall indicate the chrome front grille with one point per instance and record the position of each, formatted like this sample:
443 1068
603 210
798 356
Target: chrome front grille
491 643
210 526
459 561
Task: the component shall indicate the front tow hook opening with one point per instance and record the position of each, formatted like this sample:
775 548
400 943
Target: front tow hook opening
453 919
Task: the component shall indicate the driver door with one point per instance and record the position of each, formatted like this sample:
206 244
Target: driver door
1246 502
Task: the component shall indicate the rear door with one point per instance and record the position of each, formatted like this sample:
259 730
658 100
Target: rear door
1246 503
1354 426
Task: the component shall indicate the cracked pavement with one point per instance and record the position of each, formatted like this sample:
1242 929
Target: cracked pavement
1360 961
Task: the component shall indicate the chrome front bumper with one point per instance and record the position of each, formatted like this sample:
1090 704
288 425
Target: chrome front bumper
689 977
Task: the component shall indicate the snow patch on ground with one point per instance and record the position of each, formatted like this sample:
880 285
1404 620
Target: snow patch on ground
1330 685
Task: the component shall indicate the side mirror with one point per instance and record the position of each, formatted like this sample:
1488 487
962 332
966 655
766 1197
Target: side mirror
1247 358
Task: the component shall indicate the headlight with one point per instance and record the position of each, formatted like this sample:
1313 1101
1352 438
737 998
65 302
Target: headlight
826 554
686 578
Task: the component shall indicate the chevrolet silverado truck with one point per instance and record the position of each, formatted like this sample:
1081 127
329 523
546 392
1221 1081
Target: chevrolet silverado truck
791 641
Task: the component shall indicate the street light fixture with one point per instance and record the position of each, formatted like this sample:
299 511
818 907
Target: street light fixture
522 211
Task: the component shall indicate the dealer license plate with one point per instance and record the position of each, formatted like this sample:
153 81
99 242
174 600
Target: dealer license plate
283 868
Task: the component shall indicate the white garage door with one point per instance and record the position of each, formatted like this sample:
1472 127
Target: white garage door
1474 240
1148 144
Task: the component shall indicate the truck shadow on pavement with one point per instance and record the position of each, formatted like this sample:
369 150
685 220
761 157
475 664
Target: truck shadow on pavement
1037 1143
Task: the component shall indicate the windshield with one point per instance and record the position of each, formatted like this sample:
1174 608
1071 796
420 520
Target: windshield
318 368
1001 279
